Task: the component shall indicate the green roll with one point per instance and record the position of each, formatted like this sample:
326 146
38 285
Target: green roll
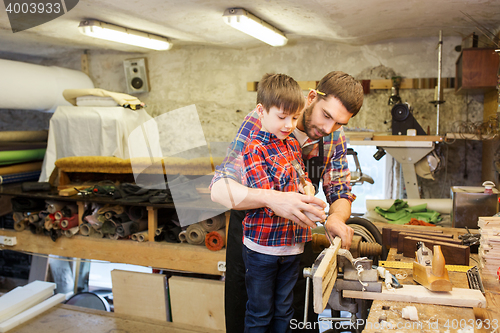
21 156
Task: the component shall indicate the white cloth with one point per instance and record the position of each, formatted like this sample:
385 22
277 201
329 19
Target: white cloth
274 250
91 131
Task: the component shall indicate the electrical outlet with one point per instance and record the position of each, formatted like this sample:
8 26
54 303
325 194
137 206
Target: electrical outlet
11 241
221 266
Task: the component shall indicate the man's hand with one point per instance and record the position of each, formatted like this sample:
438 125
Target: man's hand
339 212
337 227
294 206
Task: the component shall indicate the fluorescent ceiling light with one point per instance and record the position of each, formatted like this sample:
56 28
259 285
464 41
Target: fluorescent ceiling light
245 22
118 34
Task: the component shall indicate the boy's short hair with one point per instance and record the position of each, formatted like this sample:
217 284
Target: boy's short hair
282 91
343 87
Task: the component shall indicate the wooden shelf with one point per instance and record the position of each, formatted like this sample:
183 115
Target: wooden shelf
172 256
179 257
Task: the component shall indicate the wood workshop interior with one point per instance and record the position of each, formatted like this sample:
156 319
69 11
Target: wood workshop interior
116 115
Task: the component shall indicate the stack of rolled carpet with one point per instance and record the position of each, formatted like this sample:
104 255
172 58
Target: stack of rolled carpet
210 231
21 155
51 218
115 222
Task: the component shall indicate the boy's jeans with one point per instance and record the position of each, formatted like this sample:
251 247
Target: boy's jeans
269 281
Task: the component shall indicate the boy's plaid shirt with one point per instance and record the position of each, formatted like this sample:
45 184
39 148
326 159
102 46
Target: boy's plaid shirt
266 161
336 175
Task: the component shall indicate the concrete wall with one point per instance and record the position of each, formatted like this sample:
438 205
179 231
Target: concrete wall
214 79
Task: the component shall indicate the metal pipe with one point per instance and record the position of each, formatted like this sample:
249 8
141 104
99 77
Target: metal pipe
440 65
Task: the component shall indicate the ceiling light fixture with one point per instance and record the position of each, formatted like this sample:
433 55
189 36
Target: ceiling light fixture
250 24
123 35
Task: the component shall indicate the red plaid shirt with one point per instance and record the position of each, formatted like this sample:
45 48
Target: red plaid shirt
266 165
336 175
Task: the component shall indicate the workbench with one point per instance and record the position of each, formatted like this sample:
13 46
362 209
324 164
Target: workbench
75 319
438 317
162 255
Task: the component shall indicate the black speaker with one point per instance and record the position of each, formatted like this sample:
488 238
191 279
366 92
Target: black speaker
136 74
402 120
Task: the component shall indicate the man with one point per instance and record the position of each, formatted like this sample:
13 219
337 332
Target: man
336 100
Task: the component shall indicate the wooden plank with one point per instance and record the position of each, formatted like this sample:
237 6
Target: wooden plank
403 235
197 301
182 257
22 298
76 319
435 138
152 223
393 234
453 254
140 294
32 312
325 276
409 293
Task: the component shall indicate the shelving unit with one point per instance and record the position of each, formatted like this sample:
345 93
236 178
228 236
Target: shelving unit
171 256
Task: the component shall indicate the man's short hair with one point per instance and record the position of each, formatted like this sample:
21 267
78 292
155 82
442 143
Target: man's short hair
343 87
282 91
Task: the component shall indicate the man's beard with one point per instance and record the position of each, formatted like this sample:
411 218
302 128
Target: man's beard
310 129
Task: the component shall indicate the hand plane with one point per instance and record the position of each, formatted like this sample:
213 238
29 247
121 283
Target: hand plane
429 269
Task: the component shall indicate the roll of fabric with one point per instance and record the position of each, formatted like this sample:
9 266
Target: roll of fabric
136 213
118 209
19 177
92 219
183 236
20 225
216 240
21 156
86 229
172 234
214 223
123 229
48 223
138 226
69 222
33 217
96 234
195 234
24 136
71 232
142 236
109 227
55 206
22 167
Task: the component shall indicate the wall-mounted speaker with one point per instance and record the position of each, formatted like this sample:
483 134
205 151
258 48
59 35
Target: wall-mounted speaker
136 74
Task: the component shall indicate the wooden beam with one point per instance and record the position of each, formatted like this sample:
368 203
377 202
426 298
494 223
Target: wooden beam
421 83
325 276
182 257
459 297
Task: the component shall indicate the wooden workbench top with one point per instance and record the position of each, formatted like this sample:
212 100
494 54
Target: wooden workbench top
430 316
75 319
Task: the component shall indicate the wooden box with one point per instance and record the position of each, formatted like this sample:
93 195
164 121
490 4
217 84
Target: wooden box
476 70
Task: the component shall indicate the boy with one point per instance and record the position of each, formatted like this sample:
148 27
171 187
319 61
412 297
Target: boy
272 243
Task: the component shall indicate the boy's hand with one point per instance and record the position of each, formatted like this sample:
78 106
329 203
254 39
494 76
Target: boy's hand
313 217
294 206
